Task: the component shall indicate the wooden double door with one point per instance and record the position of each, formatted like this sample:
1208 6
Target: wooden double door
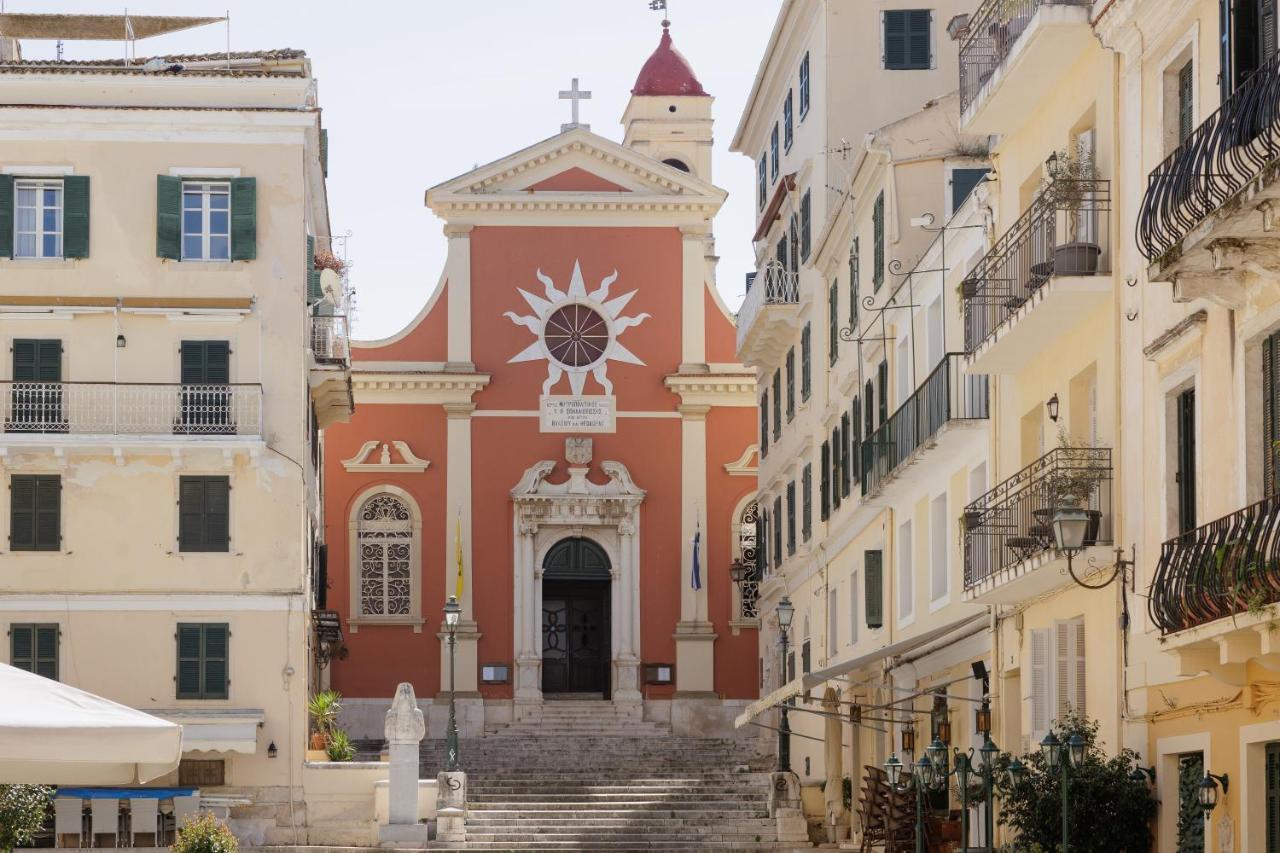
575 637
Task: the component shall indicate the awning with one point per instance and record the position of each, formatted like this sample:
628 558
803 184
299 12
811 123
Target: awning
786 185
217 729
52 733
815 679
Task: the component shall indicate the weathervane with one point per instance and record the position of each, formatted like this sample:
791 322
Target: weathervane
576 95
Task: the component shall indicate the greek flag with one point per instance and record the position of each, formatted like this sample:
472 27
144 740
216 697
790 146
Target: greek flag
658 5
695 579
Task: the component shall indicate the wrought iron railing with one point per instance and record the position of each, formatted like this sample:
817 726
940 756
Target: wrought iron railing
1064 232
1237 144
329 339
992 32
947 394
1014 521
103 408
774 285
1222 568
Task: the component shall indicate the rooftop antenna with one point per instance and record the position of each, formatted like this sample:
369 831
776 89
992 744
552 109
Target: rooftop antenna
228 38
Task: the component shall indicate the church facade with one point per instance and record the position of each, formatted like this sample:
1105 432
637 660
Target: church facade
562 439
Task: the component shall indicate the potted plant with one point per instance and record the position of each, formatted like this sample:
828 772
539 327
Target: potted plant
323 709
340 747
1073 176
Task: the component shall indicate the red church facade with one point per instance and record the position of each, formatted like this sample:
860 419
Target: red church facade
566 411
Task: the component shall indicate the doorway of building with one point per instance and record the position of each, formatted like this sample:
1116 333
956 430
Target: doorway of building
575 619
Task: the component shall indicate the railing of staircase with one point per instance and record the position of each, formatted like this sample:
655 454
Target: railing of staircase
992 32
947 394
1238 143
1228 566
1013 522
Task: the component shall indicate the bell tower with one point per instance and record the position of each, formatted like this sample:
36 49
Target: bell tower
669 115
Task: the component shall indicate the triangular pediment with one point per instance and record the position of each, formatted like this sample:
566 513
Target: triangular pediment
575 163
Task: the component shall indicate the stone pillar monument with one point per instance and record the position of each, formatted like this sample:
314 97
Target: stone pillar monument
785 809
404 730
451 806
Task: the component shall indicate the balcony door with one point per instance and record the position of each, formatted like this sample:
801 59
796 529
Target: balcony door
1247 33
206 391
36 394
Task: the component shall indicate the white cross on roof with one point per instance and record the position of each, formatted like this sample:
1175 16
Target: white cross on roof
575 95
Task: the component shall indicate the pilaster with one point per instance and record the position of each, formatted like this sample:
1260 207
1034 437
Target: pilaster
458 509
693 331
458 275
695 637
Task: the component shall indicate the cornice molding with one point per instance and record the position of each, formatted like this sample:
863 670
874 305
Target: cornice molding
423 388
736 390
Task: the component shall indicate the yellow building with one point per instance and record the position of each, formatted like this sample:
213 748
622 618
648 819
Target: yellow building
170 355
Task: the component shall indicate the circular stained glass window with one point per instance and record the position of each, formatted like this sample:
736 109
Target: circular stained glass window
576 336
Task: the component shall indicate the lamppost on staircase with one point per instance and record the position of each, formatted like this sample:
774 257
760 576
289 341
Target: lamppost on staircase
785 612
452 610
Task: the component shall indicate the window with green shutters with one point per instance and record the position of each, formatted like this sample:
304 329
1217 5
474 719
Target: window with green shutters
791 518
764 424
203 660
806 361
868 396
1186 99
777 405
873 587
804 87
877 228
791 384
806 226
35 649
788 123
206 391
204 505
777 531
833 322
35 512
773 153
806 502
314 291
855 282
206 220
44 217
907 39
824 476
1273 796
35 400
837 459
846 462
855 441
882 390
1185 476
963 182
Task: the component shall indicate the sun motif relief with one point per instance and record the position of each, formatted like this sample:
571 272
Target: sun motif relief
577 331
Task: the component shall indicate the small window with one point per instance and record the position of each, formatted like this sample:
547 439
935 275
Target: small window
806 225
774 161
804 87
777 405
791 518
764 424
202 660
791 384
788 122
963 182
806 357
35 649
762 182
806 514
37 222
907 40
825 475
206 221
677 164
1186 100
35 512
777 531
204 514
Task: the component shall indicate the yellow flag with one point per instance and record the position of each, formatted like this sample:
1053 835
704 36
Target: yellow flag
458 556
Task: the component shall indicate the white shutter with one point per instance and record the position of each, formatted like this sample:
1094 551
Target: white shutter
1069 667
1039 683
1078 665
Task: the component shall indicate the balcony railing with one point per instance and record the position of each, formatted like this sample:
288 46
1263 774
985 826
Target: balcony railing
1014 521
774 285
993 31
102 408
946 395
1222 568
1063 233
1237 144
330 342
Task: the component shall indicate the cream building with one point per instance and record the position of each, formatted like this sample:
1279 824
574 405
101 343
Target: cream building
167 367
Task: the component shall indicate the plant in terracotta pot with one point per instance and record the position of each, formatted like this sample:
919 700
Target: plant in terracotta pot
1072 190
1074 477
323 709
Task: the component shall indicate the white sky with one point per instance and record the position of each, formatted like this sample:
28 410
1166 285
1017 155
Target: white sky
419 91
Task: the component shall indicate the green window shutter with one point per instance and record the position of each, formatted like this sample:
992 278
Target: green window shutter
895 39
206 362
75 216
324 151
869 395
877 226
244 219
168 217
190 640
764 424
791 518
833 322
22 647
882 390
314 292
825 481
48 530
190 514
47 651
37 360
6 216
837 461
35 510
215 672
806 225
806 502
806 357
791 384
918 21
204 514
854 275
845 461
872 573
1273 797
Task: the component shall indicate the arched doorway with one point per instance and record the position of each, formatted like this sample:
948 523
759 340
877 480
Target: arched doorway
575 619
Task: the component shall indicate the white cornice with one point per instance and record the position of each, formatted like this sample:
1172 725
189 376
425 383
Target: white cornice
714 389
423 388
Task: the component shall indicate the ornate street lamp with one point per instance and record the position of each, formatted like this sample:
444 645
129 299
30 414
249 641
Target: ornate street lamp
988 752
786 612
738 572
1208 791
893 769
1063 758
452 611
924 780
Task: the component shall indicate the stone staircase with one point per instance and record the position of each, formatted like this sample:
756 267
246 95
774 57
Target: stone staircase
585 775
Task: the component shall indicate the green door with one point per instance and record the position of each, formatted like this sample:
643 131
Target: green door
206 389
36 397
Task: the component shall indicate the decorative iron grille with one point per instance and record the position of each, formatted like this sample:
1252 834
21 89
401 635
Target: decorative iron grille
104 408
750 588
385 534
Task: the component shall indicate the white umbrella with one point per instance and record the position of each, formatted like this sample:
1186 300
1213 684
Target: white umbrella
53 734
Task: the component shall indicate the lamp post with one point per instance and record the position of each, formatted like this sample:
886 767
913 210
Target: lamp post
452 610
987 769
923 778
785 613
1063 757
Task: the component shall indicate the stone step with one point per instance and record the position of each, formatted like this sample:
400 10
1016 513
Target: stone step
637 844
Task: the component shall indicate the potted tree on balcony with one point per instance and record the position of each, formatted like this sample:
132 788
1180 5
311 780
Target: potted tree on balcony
1072 191
323 709
1072 481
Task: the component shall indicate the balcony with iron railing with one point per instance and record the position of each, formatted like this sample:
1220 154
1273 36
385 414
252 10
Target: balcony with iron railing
113 414
947 398
1049 271
1011 47
1228 567
769 315
1009 553
1215 198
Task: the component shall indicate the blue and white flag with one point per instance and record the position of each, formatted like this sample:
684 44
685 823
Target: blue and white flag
695 579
